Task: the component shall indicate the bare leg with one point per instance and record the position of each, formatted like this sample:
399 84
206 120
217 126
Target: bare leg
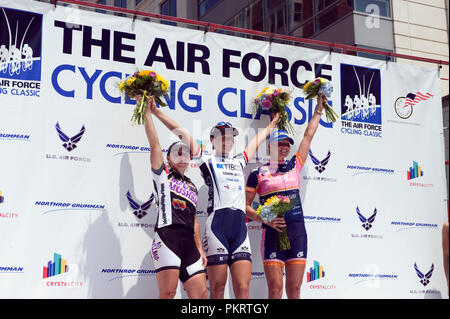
167 283
196 286
241 272
294 278
217 276
274 277
445 241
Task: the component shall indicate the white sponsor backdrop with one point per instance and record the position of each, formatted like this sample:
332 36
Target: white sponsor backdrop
74 203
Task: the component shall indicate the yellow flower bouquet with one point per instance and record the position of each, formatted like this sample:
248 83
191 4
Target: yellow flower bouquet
144 83
273 207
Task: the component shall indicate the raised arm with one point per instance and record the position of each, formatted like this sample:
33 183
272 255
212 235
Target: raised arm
156 155
252 147
175 128
305 144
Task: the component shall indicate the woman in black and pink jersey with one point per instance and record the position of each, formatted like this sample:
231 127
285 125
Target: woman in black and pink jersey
177 251
282 177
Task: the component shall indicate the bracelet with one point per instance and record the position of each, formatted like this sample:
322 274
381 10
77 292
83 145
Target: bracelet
318 112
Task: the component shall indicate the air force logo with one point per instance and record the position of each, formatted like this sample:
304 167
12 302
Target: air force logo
424 278
320 165
367 222
69 142
140 210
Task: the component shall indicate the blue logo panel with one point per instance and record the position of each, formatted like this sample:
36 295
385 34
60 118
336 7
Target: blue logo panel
360 94
20 44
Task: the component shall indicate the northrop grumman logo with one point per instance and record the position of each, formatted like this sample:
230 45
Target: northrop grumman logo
140 210
366 222
320 165
69 142
424 278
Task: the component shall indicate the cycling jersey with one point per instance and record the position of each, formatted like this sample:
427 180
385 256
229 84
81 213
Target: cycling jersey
177 198
281 179
226 238
224 177
174 245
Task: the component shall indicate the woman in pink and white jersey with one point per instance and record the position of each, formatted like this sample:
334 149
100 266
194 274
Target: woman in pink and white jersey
282 177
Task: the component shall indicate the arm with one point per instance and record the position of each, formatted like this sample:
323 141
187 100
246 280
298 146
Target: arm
175 128
305 144
156 155
445 248
198 241
252 147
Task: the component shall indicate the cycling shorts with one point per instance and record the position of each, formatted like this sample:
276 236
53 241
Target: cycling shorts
226 239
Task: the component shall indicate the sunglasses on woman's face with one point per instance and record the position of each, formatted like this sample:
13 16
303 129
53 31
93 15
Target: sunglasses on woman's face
285 144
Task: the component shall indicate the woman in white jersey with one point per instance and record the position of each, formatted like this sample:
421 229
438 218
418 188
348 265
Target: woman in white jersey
226 241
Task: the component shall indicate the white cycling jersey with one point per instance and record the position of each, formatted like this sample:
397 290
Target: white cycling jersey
224 177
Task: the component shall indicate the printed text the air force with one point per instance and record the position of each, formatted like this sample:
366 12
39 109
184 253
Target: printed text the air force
161 53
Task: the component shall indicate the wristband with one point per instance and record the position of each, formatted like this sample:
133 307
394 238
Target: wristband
318 112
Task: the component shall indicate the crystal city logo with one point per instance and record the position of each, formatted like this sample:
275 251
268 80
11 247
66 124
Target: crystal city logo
366 224
20 52
5 213
139 211
319 166
59 267
416 171
69 144
315 273
361 101
403 106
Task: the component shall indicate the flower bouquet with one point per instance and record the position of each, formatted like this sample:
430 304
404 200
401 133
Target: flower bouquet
276 206
320 86
144 83
275 100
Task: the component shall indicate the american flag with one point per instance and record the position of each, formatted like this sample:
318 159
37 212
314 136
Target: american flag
413 99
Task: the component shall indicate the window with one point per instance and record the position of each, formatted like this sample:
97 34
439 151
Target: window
381 7
120 4
100 10
374 56
297 11
169 8
205 5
